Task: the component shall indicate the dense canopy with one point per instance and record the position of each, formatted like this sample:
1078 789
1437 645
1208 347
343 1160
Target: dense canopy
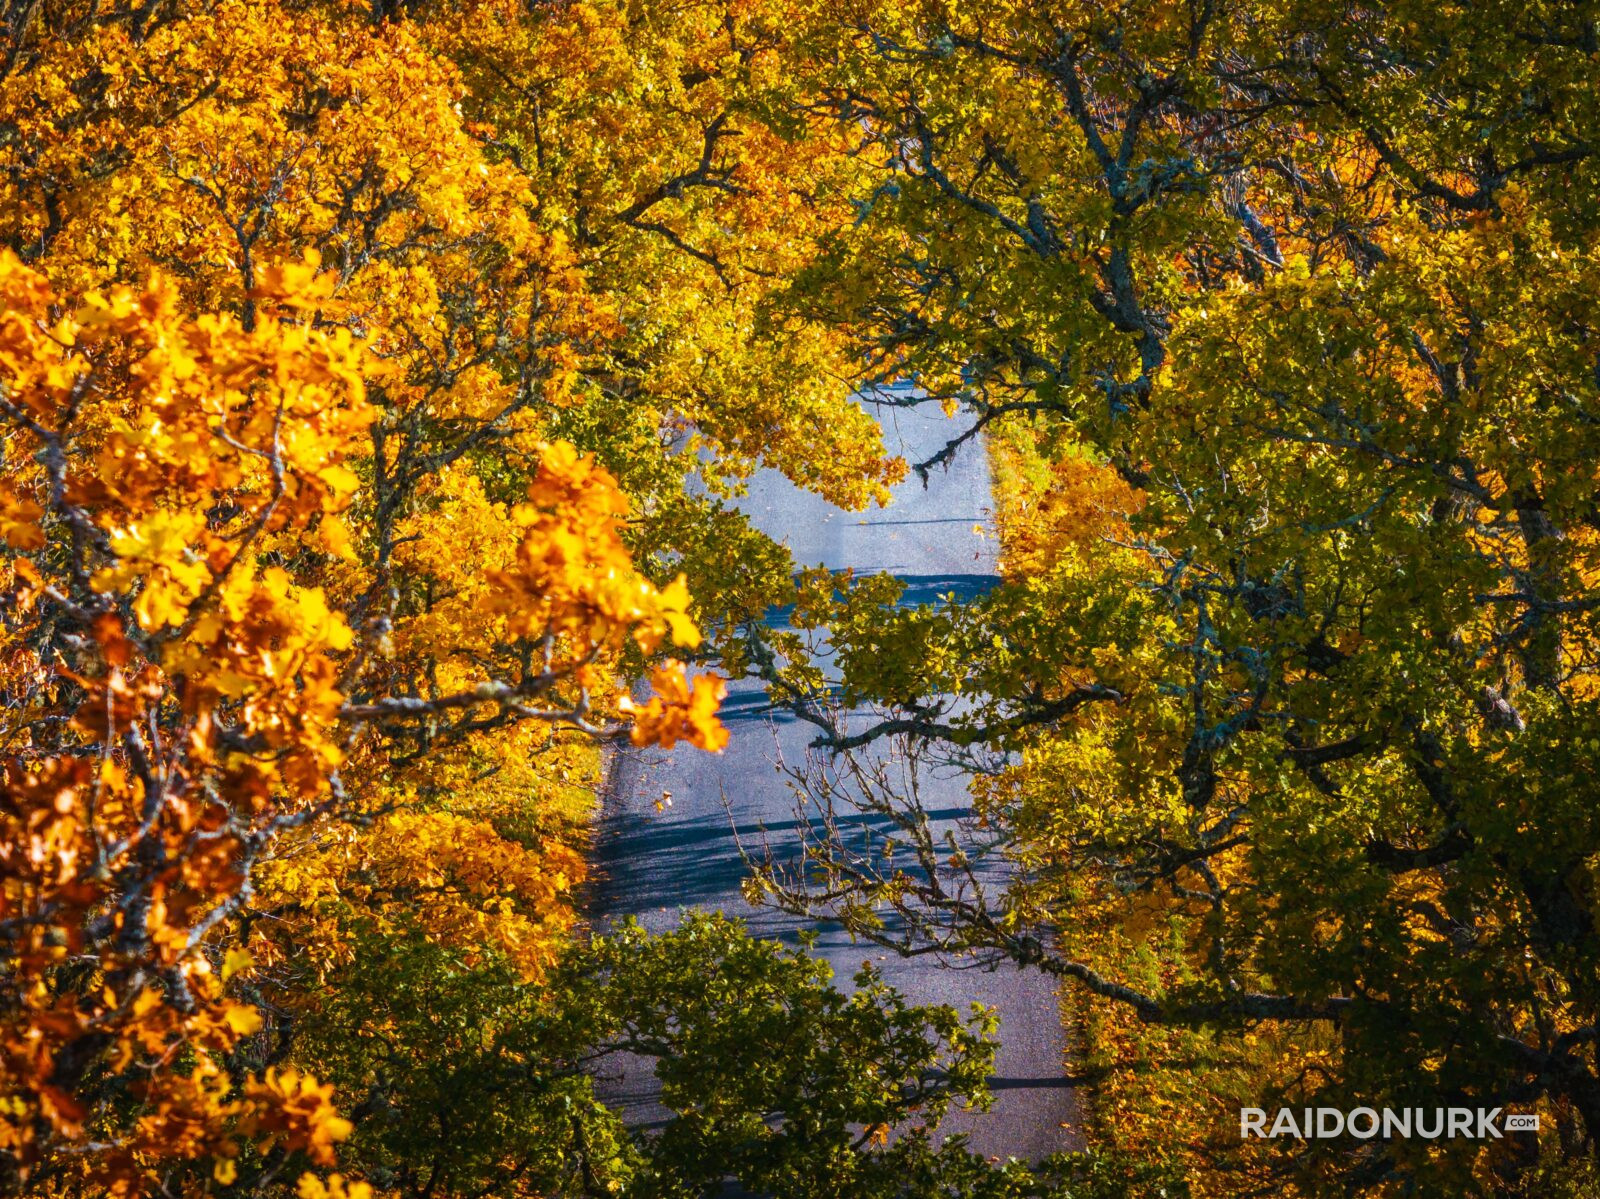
374 384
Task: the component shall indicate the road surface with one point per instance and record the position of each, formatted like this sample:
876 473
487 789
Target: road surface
653 864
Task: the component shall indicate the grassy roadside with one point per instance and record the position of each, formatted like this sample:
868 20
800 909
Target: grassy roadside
1019 472
1148 1095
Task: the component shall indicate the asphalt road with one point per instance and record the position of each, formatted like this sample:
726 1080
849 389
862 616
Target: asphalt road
652 865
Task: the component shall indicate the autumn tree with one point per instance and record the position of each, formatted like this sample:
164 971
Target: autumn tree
1281 320
342 491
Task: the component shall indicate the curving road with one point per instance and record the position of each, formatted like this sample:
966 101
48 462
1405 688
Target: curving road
652 864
